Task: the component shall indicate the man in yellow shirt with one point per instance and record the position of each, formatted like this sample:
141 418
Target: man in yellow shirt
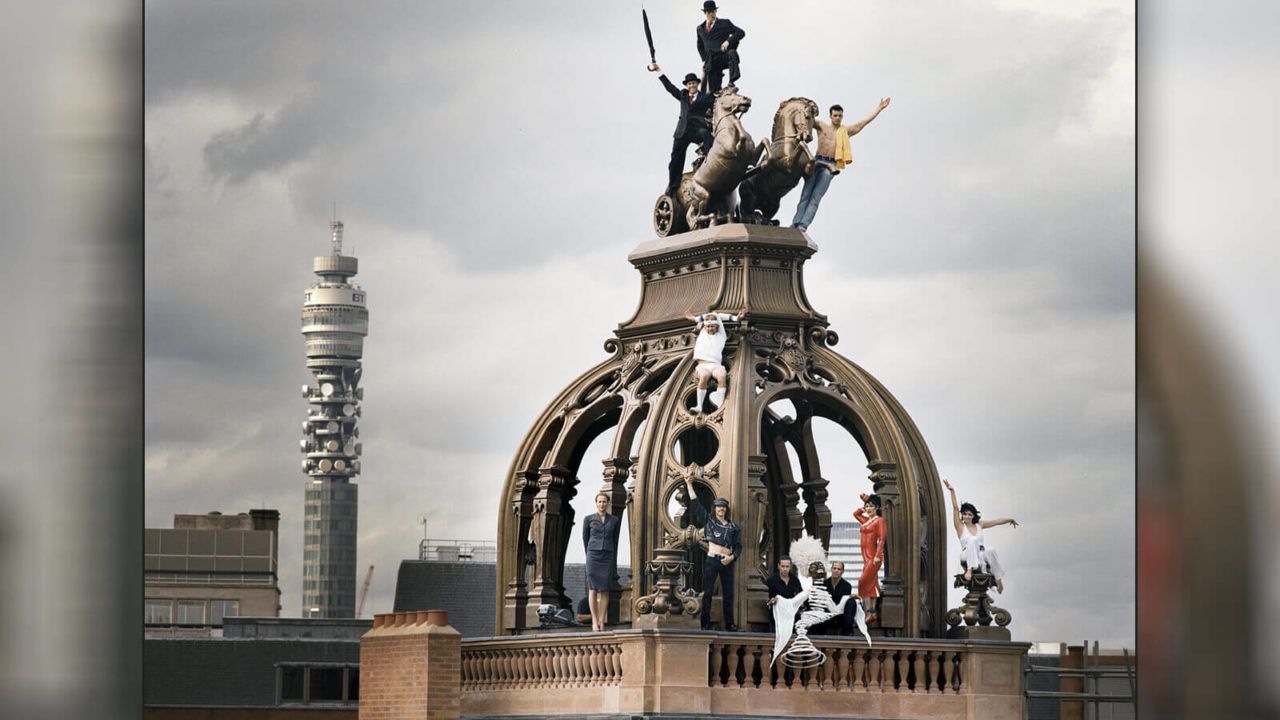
830 158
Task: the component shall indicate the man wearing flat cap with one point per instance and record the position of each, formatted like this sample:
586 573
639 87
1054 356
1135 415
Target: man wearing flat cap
692 127
718 47
724 545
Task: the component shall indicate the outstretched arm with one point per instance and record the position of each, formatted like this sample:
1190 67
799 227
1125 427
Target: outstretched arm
699 512
671 88
1000 521
955 507
856 128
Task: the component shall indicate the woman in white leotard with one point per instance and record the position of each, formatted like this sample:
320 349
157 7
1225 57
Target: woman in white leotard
974 551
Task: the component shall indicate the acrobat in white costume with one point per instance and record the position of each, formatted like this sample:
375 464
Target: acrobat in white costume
821 608
708 352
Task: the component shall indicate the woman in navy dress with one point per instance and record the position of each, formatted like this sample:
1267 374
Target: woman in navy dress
600 540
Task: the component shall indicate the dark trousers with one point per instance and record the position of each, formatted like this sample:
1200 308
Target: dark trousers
717 63
839 625
679 147
711 570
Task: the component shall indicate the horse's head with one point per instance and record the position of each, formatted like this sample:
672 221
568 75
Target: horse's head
795 119
729 102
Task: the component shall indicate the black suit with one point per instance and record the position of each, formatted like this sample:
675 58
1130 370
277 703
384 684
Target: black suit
844 623
691 128
714 60
788 589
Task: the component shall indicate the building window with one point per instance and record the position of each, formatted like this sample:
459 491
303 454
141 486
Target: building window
291 689
159 612
219 609
190 612
327 683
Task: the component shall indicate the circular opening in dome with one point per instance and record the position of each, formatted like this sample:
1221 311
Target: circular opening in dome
677 504
691 399
696 445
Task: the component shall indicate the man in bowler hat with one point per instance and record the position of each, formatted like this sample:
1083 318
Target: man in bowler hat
718 46
692 127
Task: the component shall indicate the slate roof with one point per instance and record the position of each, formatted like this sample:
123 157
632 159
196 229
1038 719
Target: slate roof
466 590
228 672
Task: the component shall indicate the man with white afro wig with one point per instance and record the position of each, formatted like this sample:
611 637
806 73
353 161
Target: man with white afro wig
807 553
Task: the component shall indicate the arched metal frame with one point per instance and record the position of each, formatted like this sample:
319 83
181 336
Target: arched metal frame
781 350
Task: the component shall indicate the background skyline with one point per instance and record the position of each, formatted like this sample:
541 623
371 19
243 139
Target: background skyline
494 164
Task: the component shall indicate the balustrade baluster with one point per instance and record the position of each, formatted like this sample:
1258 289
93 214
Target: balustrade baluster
903 668
938 666
922 684
754 673
738 653
957 682
528 675
842 670
858 670
877 660
713 669
598 668
555 664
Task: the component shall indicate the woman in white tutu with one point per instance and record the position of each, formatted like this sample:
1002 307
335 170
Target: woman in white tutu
974 551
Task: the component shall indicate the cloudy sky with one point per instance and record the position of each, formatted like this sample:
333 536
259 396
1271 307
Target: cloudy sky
494 164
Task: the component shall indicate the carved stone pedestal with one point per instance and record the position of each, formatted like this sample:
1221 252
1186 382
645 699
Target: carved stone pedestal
670 605
977 611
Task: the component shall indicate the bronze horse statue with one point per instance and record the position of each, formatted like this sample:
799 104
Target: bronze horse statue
709 195
787 159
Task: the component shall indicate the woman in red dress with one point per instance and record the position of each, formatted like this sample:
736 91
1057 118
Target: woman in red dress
873 532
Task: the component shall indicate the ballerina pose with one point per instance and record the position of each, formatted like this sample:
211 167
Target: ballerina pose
872 546
974 551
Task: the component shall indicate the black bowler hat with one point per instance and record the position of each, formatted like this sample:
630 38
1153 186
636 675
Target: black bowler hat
709 6
690 77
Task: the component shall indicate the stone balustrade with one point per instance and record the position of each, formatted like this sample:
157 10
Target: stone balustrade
887 667
496 665
695 672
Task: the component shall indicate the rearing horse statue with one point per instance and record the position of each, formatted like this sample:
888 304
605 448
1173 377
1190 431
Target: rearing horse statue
787 159
711 196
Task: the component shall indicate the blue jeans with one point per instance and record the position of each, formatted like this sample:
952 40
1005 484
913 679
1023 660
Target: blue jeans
815 186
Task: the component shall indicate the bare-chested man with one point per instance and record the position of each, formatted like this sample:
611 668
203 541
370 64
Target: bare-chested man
830 158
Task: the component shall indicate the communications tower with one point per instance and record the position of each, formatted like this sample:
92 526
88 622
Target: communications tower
334 323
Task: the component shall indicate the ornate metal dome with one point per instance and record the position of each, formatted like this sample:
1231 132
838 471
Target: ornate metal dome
644 395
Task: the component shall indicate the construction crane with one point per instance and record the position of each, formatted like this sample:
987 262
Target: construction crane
364 590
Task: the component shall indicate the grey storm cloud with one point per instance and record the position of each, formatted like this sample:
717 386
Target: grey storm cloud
495 163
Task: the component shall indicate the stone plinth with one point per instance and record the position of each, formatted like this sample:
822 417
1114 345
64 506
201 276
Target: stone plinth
409 667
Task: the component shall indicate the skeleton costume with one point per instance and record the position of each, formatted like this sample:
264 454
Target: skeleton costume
816 601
